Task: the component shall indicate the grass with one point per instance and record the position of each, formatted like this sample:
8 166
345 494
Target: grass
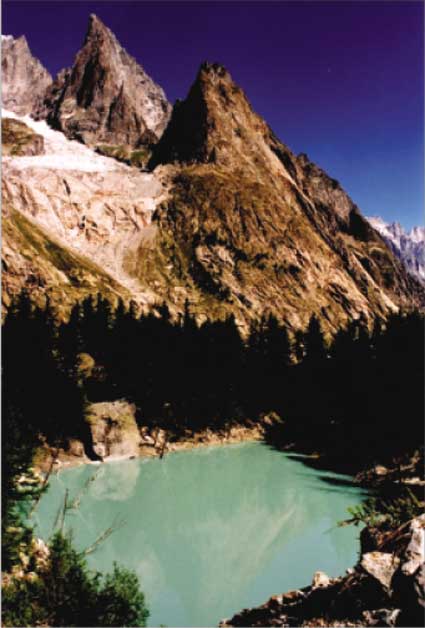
17 137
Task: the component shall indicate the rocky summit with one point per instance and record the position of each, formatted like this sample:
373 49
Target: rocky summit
106 97
24 79
227 218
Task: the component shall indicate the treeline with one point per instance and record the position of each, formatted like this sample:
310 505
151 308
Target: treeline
363 393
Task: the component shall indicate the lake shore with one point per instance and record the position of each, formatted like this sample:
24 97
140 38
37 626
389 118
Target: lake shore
48 459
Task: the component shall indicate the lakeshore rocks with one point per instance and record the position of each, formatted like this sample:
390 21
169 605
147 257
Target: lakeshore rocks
320 579
381 566
385 588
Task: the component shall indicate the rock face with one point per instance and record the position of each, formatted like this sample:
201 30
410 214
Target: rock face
256 228
408 246
106 97
24 79
384 589
114 429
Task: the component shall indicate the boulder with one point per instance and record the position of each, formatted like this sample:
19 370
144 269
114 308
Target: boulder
320 579
113 429
381 617
381 566
415 552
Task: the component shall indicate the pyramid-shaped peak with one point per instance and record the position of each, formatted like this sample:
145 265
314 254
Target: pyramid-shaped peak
215 123
96 28
107 97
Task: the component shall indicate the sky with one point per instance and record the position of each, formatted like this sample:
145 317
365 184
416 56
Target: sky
341 81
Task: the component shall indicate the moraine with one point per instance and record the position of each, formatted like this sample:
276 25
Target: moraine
210 531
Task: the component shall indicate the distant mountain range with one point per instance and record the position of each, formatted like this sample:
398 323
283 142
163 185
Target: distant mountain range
197 204
409 246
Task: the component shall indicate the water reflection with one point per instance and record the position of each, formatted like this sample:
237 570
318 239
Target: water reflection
211 531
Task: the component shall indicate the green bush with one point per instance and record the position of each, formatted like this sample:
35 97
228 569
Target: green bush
67 593
377 512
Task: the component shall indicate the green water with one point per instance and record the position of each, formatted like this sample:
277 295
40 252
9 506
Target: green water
210 531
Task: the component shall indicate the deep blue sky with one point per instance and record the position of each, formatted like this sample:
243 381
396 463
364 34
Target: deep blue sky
341 81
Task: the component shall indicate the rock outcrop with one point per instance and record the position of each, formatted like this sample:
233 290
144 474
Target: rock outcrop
113 428
386 588
106 97
19 140
409 246
24 79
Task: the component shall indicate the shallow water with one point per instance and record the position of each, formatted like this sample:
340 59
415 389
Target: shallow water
210 531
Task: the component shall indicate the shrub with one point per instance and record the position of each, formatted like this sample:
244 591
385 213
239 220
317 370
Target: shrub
377 512
67 593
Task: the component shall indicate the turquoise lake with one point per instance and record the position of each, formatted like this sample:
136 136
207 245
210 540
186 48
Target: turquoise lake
210 531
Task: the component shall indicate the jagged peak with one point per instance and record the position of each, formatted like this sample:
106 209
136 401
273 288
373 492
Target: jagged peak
213 68
10 39
96 29
205 119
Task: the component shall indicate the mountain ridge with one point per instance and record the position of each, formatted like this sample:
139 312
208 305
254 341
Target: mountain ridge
227 218
409 246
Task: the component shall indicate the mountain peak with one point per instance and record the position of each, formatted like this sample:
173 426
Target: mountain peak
24 79
408 246
107 97
214 124
96 27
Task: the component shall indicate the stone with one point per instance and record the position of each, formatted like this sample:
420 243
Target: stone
113 429
381 566
320 579
414 555
381 617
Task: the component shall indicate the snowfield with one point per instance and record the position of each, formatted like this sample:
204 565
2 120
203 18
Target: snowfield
60 152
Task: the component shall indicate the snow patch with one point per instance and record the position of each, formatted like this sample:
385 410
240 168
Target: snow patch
60 152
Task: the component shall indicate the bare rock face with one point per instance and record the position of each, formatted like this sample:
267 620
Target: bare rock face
256 228
106 97
114 429
24 79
